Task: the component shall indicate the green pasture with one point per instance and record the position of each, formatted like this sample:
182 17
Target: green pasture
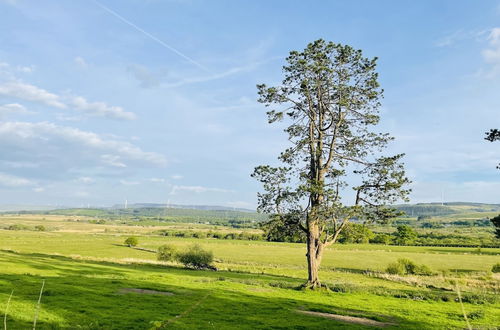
256 287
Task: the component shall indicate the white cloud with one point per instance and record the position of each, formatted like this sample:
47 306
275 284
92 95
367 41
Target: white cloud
129 183
26 69
85 179
157 180
31 93
197 189
13 108
100 109
80 61
38 189
7 180
61 148
491 54
177 177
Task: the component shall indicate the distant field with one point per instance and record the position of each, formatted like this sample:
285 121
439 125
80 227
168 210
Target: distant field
86 265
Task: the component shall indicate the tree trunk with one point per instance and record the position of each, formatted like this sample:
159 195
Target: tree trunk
314 254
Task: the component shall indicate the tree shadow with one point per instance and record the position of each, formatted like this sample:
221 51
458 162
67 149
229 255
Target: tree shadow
85 294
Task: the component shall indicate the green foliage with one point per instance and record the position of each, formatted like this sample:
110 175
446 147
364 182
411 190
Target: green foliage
496 222
40 228
18 227
196 257
131 241
356 233
381 239
496 268
277 229
405 235
405 266
166 252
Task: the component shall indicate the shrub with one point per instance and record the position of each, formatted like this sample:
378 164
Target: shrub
196 257
18 227
496 268
40 228
131 241
166 252
405 266
381 239
396 268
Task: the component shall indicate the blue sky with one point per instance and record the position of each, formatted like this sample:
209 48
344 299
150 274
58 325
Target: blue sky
155 100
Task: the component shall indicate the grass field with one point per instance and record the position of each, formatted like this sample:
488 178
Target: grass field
88 273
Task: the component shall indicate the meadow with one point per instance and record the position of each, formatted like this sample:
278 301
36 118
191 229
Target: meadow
93 281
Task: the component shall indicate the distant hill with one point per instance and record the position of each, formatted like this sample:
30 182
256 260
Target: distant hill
180 206
443 209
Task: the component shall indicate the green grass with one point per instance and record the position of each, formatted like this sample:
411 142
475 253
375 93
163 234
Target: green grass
256 287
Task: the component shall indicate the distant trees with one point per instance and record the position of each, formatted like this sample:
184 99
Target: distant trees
330 98
493 135
496 223
356 233
405 235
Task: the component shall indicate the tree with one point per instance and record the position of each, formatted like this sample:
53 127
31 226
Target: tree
356 233
329 97
405 235
493 135
496 223
131 241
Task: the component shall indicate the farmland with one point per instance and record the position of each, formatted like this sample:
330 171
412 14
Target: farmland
90 277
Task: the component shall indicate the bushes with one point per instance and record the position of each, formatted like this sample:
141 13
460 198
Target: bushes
40 228
131 241
166 252
496 268
196 257
407 267
381 239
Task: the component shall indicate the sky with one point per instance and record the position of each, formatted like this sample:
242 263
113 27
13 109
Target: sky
155 100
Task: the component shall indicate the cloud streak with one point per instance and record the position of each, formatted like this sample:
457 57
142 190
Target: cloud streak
149 35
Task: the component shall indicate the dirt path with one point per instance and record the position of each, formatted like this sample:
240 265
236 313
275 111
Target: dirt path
348 319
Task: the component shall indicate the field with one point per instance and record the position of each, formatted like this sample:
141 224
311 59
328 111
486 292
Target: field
93 281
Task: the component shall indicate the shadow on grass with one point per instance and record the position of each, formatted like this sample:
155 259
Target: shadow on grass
81 295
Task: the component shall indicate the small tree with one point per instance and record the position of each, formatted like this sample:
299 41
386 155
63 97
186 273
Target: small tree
196 257
166 252
405 235
493 135
131 241
330 98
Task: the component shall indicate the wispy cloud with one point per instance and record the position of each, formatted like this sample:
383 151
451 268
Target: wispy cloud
492 53
100 109
13 108
64 147
232 71
31 93
80 61
7 180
